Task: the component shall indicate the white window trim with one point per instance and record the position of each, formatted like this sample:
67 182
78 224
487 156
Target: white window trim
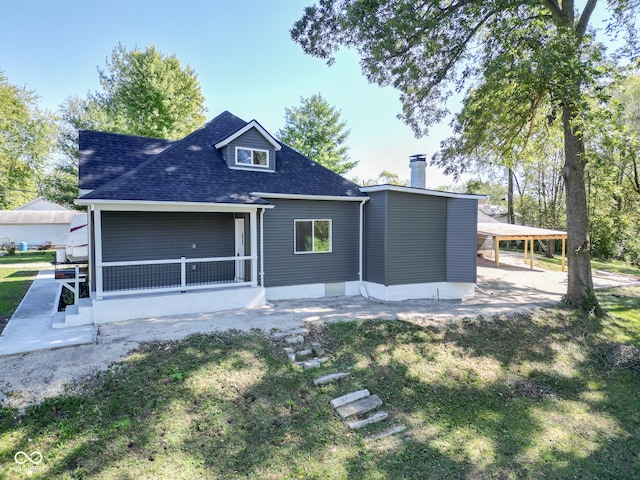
313 220
251 164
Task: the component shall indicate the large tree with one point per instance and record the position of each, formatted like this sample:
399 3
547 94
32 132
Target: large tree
315 129
26 140
144 92
519 54
150 94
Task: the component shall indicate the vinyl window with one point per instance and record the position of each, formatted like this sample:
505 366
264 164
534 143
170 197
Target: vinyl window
252 156
312 236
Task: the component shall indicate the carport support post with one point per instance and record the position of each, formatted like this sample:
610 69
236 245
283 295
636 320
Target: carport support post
531 255
526 245
496 248
564 241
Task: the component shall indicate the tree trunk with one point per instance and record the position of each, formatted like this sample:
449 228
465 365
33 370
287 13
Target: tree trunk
551 247
510 216
580 293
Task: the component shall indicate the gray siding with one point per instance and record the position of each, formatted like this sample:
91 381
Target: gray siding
375 221
282 267
129 236
416 235
462 227
250 139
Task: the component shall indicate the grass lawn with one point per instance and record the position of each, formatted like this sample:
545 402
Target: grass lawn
542 396
32 256
612 266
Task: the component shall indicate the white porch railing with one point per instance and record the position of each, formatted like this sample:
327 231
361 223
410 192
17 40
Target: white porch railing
182 274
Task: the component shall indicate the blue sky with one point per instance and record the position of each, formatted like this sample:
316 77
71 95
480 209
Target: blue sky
241 50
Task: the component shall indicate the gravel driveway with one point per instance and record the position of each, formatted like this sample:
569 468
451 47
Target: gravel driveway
28 378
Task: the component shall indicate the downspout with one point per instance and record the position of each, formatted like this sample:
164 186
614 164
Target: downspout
363 289
261 274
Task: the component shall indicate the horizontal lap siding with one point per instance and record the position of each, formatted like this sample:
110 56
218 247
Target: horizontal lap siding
416 236
462 227
130 236
251 139
374 238
282 267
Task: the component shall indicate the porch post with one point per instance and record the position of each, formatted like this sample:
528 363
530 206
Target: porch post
253 226
97 217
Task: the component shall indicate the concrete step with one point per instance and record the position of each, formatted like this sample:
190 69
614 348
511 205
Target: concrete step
58 321
374 418
74 315
349 397
333 377
359 407
75 320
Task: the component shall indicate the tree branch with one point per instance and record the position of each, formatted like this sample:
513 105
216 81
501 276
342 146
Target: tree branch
583 22
555 9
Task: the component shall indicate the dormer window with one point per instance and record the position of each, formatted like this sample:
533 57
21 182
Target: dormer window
252 156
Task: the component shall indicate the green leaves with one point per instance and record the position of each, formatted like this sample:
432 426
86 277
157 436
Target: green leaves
316 130
149 94
26 139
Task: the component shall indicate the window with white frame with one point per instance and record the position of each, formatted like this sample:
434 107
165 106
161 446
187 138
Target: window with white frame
312 236
252 156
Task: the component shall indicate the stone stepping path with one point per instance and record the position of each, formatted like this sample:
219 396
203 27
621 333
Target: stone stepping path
357 408
299 351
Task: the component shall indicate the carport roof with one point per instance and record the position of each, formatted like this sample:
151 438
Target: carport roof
506 231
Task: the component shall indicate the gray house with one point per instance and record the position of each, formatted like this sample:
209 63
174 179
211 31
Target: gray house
230 217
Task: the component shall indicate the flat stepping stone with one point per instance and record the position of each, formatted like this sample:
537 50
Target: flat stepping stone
289 350
349 397
359 406
330 378
311 364
386 433
304 353
294 340
295 331
375 418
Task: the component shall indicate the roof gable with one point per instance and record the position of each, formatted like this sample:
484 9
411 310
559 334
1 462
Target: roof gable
42 204
252 124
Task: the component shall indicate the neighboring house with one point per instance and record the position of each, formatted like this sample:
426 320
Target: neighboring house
35 223
230 217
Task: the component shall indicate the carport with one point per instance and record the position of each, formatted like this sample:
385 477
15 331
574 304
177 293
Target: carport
505 231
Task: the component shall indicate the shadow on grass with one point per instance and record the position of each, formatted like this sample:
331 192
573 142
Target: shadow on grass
231 406
22 274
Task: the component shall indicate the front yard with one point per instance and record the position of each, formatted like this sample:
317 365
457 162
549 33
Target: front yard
548 395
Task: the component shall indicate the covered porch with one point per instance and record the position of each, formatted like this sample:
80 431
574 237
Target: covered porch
159 259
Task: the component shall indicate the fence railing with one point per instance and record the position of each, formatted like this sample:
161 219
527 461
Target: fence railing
182 274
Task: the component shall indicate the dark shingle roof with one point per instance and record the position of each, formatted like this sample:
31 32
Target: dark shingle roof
193 170
106 156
